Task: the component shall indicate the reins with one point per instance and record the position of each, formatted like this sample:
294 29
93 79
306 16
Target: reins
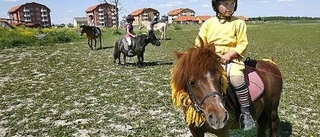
193 99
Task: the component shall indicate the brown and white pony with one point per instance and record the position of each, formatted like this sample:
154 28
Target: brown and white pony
161 27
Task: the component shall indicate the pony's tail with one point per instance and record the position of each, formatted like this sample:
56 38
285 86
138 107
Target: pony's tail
116 50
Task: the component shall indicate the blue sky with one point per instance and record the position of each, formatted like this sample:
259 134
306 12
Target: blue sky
63 11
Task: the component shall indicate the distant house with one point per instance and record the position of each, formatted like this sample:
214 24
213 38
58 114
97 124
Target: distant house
78 21
104 15
203 18
186 20
144 14
174 14
30 14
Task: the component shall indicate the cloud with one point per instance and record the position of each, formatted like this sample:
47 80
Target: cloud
193 0
264 1
285 0
166 5
171 4
176 2
10 0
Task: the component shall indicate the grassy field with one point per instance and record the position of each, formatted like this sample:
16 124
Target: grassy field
68 90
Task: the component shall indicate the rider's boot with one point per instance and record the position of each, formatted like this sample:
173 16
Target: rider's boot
95 31
246 121
130 52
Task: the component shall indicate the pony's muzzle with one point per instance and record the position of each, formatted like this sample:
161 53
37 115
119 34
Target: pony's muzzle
218 121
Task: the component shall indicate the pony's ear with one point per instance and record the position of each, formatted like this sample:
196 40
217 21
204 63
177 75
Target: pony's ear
178 54
201 41
212 46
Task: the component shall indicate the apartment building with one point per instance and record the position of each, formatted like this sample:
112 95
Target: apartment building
181 15
104 15
30 14
143 14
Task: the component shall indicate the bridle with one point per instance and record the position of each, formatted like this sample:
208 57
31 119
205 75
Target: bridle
195 104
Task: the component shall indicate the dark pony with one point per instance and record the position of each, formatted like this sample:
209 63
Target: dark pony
91 36
199 87
140 42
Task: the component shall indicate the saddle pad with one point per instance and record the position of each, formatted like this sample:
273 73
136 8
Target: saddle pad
97 30
254 83
125 43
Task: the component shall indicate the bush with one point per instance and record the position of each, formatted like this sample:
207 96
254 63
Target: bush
17 37
22 36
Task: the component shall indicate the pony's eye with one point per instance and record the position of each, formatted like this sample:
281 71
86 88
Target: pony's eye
193 84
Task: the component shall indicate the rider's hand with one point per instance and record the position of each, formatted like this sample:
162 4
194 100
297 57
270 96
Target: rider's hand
225 59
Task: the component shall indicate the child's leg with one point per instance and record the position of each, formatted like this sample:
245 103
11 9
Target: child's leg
238 82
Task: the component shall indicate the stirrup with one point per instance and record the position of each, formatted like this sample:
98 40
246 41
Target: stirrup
246 121
130 52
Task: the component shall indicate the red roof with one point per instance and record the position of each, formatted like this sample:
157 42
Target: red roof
175 12
186 18
13 9
203 18
92 8
139 11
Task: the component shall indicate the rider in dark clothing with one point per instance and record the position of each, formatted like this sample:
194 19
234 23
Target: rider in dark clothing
154 20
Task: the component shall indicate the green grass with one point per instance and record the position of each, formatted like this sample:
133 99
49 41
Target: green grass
68 90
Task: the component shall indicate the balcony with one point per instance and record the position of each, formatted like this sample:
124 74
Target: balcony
26 15
44 15
26 10
101 18
100 9
43 10
44 20
27 20
101 13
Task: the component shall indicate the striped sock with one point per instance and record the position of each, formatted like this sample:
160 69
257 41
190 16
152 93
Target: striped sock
243 95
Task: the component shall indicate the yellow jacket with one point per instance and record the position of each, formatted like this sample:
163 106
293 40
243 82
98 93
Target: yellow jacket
226 35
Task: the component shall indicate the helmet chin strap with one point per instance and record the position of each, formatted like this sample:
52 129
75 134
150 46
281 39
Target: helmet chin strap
223 18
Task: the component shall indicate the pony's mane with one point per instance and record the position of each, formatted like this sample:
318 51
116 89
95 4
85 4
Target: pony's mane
193 63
